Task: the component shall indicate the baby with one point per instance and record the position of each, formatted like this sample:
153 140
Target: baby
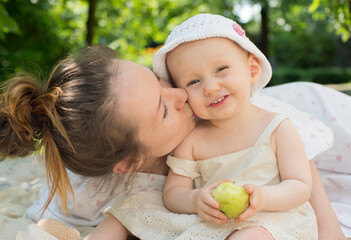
221 70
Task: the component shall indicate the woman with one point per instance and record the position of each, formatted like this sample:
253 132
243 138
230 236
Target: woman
97 116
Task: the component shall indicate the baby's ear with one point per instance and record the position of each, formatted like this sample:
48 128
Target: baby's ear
255 68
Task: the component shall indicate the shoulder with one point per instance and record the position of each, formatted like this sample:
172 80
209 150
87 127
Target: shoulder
285 134
280 127
263 117
190 145
185 149
284 127
266 118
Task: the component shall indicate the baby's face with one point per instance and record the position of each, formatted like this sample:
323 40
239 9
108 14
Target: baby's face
216 74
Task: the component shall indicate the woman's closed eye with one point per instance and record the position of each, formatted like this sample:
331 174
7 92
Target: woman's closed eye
165 113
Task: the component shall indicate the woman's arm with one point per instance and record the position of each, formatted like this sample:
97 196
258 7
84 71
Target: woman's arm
328 225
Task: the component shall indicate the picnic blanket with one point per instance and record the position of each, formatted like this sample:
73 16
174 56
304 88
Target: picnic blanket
20 181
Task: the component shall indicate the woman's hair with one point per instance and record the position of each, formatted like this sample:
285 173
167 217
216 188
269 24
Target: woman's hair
73 118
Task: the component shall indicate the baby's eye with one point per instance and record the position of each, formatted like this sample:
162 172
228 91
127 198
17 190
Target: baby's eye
192 82
221 69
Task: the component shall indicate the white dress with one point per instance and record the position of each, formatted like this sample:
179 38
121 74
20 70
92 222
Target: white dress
145 216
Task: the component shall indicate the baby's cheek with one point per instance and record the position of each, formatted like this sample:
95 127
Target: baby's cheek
199 110
193 102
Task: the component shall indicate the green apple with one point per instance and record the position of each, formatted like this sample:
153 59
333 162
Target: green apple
232 199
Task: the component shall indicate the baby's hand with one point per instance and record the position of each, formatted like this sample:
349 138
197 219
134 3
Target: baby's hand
207 206
258 198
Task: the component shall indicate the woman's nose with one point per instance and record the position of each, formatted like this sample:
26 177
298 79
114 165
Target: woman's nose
178 96
165 83
211 86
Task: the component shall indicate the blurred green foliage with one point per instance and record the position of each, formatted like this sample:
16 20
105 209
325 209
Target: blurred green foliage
8 24
41 40
35 34
338 13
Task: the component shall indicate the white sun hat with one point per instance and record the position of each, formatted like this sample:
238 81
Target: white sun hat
203 26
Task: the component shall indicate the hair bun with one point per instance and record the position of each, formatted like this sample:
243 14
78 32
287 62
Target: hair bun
20 127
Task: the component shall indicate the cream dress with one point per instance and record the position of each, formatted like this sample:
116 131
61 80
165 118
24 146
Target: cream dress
146 217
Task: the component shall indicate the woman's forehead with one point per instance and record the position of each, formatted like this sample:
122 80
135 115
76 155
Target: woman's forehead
138 92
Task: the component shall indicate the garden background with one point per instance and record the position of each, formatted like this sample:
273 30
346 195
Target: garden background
304 40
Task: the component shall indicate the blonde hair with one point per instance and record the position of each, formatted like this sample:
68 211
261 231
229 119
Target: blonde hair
73 118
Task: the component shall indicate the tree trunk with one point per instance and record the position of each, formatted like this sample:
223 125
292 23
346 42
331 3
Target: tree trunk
264 45
91 22
348 2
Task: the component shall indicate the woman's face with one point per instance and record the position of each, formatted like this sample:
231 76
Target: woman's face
160 112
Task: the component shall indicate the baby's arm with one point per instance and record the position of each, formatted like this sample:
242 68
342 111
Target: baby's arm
296 180
109 229
295 173
180 197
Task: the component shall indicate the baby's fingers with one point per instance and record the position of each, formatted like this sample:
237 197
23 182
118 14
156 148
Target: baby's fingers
249 188
246 214
209 200
214 216
211 219
211 214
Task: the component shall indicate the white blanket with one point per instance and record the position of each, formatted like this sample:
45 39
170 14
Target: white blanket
20 181
333 109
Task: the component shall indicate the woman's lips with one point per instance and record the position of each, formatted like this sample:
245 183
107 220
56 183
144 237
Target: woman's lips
219 101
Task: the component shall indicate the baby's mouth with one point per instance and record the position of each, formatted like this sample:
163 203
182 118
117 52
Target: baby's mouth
219 101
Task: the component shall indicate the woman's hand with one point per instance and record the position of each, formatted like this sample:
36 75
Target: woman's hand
207 207
258 198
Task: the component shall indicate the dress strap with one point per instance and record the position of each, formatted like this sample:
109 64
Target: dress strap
274 123
183 167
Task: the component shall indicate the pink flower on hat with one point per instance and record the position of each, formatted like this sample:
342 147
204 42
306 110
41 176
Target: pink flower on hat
238 29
